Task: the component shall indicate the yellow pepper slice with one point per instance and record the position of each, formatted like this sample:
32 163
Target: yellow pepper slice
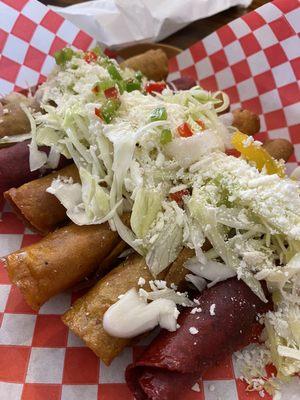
257 154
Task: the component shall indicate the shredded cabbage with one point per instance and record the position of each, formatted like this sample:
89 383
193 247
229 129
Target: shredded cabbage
146 206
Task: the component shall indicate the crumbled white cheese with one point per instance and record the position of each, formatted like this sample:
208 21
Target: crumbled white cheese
251 365
196 310
141 281
212 309
250 141
158 284
193 330
178 188
166 293
196 388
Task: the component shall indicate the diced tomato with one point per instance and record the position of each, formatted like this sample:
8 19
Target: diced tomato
233 152
98 113
111 93
184 130
177 196
271 370
201 124
157 87
90 56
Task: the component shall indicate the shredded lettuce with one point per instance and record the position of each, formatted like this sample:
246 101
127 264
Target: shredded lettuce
15 138
147 204
37 158
94 197
166 239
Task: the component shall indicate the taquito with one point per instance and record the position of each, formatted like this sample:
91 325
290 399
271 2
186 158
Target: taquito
13 120
60 260
153 64
39 210
174 361
14 166
86 315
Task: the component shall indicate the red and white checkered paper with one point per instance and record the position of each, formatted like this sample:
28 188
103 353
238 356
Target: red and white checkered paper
30 34
256 60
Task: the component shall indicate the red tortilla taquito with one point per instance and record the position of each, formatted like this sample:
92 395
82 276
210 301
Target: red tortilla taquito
175 360
183 83
60 260
14 166
39 210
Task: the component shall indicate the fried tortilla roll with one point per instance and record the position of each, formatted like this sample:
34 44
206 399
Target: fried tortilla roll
39 210
13 120
153 64
60 260
177 272
174 361
14 166
86 315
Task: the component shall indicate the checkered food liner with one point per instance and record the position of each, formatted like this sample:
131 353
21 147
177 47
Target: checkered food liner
256 60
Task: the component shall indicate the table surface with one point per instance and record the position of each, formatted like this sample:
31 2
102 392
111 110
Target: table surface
195 31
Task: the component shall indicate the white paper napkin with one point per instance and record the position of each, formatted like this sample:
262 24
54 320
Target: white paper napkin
119 23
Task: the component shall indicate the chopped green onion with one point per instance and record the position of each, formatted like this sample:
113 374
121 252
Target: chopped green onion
139 76
132 85
166 136
121 86
113 72
109 110
159 114
64 55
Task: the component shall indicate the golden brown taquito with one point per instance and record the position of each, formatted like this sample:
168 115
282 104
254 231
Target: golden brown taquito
39 210
153 64
177 271
86 315
13 120
61 260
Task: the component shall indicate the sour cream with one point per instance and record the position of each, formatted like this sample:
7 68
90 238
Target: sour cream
132 315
